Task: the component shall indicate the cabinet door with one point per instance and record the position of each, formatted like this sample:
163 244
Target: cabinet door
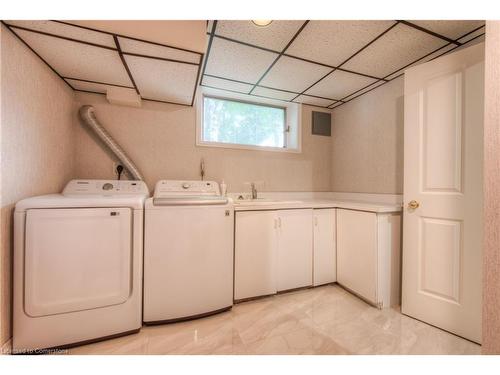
325 252
294 263
357 252
255 254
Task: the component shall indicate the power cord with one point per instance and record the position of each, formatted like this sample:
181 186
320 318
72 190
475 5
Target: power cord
119 170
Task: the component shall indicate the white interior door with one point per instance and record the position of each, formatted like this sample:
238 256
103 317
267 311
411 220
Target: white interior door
295 248
442 244
325 254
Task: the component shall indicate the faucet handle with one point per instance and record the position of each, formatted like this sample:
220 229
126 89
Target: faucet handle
254 190
255 183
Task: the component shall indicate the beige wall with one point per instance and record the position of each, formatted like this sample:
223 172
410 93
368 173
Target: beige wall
161 140
491 257
367 142
37 144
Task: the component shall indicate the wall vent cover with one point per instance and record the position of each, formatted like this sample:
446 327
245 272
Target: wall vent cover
321 123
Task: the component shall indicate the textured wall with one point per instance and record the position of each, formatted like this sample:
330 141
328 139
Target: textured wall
37 143
161 140
367 142
491 272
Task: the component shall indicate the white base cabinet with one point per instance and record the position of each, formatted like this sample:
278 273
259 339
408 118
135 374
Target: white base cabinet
273 252
280 250
368 255
254 256
295 247
325 250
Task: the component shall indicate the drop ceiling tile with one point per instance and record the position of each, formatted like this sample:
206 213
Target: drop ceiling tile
395 49
274 36
448 28
335 105
78 60
471 41
236 61
431 56
209 26
339 84
332 42
293 75
150 49
274 94
471 36
225 84
67 31
91 86
313 101
163 80
358 92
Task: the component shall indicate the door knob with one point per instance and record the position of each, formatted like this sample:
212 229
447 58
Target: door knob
413 204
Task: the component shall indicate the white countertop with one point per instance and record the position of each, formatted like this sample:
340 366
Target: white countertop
281 204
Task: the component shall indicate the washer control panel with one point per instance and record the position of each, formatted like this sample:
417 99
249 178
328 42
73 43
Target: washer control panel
176 188
106 187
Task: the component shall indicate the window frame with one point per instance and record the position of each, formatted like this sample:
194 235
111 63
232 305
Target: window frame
242 98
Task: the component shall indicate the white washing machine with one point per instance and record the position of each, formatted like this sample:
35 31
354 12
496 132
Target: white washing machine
188 251
78 264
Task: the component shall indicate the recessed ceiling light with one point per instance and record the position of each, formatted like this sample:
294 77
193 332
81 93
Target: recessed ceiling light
262 23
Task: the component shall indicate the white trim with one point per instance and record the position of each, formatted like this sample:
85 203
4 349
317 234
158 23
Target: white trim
293 120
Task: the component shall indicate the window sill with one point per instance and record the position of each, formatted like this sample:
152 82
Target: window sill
247 147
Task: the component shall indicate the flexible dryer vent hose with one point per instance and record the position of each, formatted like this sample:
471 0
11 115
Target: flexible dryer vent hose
87 114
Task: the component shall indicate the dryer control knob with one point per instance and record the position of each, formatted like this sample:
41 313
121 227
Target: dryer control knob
107 186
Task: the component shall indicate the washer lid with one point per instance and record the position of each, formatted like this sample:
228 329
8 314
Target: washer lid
187 193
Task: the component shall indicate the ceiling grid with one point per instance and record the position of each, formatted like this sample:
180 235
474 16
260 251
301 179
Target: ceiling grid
346 60
343 81
399 72
320 63
90 60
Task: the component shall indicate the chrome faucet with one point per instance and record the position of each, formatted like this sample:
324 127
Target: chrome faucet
254 190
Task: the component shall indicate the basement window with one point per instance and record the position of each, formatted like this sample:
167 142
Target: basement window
236 122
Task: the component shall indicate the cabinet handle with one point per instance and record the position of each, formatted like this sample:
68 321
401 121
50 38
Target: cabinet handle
315 221
279 222
275 223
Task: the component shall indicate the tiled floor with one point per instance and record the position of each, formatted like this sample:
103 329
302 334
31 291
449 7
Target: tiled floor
324 320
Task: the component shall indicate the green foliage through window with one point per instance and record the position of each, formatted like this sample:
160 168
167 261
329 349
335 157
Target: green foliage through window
228 121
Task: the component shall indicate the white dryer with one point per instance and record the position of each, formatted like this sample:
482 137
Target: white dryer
78 264
188 251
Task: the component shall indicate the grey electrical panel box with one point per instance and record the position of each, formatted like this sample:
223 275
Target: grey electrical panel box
321 123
